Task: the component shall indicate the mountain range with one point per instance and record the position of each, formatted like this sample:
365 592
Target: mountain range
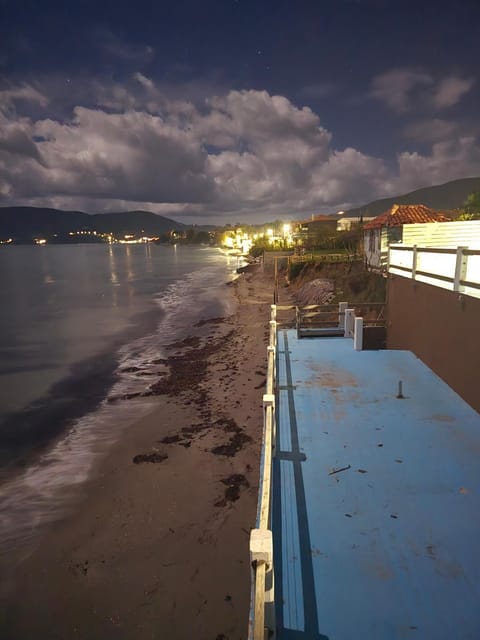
25 223
442 197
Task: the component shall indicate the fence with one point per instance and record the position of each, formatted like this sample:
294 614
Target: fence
262 610
324 257
455 269
346 323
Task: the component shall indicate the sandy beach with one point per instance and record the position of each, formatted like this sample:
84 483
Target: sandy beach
158 546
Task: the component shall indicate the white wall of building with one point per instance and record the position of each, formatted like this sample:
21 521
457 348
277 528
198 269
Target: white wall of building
464 233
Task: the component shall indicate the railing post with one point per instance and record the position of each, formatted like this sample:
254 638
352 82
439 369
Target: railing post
460 268
358 334
269 402
414 262
273 332
270 369
261 557
342 306
349 320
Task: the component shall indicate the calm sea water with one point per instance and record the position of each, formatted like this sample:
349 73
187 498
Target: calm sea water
72 320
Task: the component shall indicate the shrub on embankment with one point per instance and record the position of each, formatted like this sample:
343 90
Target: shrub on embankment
348 281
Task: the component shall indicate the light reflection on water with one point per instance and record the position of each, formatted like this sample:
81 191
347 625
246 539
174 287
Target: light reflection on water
97 295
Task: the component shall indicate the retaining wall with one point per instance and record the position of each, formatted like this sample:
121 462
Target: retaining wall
442 328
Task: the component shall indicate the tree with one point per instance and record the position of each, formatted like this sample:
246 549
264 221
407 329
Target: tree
471 207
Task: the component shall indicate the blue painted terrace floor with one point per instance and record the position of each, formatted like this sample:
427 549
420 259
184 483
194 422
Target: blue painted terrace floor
376 508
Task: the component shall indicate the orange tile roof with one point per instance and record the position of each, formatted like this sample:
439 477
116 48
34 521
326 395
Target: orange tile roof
320 217
400 214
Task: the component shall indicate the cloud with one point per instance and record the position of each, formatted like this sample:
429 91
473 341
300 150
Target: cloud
450 90
405 90
117 47
242 153
448 160
143 80
396 87
318 91
431 130
21 93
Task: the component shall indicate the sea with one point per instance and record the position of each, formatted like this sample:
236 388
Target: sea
76 324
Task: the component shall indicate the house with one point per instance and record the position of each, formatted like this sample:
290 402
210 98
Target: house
387 228
314 231
347 223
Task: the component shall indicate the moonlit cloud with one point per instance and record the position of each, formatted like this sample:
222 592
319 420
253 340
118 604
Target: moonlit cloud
396 88
116 47
431 130
450 90
143 80
448 160
404 90
21 93
241 153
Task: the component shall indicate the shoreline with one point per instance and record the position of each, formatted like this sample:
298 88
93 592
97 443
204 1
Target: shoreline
159 546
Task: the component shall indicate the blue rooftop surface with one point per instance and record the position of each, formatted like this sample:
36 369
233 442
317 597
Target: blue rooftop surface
376 500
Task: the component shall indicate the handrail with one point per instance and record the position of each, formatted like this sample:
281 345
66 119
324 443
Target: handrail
460 275
449 250
344 319
261 547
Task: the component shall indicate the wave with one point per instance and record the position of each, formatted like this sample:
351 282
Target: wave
76 422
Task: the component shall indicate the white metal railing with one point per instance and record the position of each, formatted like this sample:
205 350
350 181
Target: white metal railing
262 614
457 269
340 319
262 611
353 328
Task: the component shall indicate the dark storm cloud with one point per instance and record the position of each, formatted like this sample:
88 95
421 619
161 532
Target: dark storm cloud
245 151
115 46
230 108
405 90
17 142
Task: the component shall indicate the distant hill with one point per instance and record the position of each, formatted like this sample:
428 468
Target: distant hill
443 197
25 223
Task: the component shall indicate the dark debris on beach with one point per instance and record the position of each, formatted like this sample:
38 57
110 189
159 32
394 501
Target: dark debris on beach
236 442
233 484
189 368
153 457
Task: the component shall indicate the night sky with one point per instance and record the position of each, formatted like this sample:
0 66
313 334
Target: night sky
232 110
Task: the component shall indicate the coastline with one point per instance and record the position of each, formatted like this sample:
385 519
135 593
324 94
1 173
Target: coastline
158 548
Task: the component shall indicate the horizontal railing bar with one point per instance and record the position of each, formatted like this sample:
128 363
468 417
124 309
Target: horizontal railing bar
259 602
446 250
354 305
265 499
422 249
426 274
468 283
325 322
400 268
435 276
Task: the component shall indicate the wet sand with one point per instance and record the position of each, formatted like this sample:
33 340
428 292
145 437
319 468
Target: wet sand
158 547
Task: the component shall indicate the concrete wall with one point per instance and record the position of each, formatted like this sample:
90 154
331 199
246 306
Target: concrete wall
441 328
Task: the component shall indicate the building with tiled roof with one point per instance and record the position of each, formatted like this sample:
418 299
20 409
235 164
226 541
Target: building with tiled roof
314 230
400 214
386 228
